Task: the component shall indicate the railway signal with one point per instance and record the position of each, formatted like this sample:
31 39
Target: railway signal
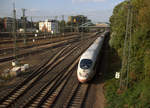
117 75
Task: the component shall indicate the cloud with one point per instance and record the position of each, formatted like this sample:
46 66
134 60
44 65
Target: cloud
81 1
33 10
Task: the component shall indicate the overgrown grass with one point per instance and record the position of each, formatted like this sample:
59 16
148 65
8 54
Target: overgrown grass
137 96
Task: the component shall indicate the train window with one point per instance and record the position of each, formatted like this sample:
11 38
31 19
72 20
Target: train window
85 63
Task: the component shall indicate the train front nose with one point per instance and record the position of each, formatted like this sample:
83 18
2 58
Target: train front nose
84 70
83 76
82 80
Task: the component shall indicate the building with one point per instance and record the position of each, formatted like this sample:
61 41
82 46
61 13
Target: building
79 19
8 24
49 26
1 25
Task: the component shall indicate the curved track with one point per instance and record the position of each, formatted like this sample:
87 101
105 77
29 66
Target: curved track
40 37
34 50
50 80
31 80
40 49
50 41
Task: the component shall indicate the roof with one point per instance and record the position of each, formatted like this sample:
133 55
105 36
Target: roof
93 50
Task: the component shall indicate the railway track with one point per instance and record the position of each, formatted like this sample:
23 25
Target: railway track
77 96
52 45
51 90
10 49
40 37
31 80
37 91
42 64
49 93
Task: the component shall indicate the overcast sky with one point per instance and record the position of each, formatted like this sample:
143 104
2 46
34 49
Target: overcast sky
96 10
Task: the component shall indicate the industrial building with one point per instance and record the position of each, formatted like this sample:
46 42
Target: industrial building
79 19
49 26
8 22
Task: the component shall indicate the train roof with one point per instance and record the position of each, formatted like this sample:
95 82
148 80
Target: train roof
93 50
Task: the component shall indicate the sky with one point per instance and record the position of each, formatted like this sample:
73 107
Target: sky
96 10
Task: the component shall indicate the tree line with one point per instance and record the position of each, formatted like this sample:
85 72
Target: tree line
137 95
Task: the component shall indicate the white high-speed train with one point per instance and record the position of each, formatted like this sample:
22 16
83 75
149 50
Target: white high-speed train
88 61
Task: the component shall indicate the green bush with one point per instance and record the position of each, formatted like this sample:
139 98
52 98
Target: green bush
138 93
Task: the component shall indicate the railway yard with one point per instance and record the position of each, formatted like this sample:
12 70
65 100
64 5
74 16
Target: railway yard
51 80
74 54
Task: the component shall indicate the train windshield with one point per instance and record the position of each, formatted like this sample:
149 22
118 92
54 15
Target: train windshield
85 63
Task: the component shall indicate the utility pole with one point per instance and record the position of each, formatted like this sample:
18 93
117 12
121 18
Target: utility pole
14 31
127 50
59 26
63 25
78 24
56 25
14 34
46 26
72 23
31 24
82 27
71 26
24 25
